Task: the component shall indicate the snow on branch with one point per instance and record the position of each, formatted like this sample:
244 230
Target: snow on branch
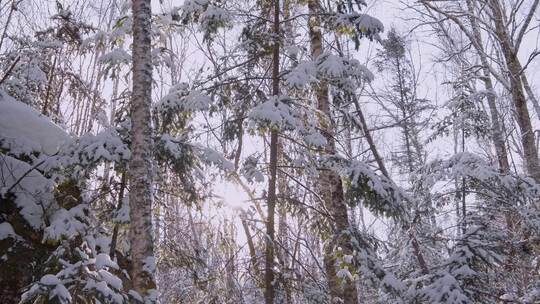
344 73
182 99
380 194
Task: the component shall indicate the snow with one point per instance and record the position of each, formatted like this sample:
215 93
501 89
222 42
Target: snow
103 288
29 70
99 243
193 6
152 297
116 56
106 145
122 214
213 15
77 274
332 66
196 101
315 139
363 22
182 99
208 15
384 197
61 292
292 50
348 258
445 289
104 260
175 146
275 111
463 271
66 223
250 171
473 166
50 279
179 148
100 37
341 70
90 149
149 264
390 281
346 73
344 273
48 44
6 231
509 297
111 279
33 192
360 71
211 156
24 130
135 295
304 73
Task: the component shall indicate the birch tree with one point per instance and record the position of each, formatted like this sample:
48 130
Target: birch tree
331 188
140 164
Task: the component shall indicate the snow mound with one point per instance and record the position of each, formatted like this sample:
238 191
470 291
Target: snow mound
25 130
104 260
6 231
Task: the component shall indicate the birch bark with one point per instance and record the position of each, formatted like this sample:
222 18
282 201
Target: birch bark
140 163
329 183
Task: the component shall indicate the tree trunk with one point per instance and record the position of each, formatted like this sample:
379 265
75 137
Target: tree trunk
497 134
405 122
516 89
114 237
362 123
140 163
283 250
269 291
329 183
251 246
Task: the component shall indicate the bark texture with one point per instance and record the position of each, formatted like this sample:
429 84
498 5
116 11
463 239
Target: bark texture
269 290
516 89
140 163
329 183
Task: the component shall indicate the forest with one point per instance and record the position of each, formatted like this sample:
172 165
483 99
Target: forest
269 151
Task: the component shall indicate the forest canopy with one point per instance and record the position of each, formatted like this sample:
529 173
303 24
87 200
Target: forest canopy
269 151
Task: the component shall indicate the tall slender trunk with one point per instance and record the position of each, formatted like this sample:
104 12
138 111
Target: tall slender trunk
283 249
329 183
269 292
114 237
516 89
362 123
45 108
282 182
405 123
518 86
140 163
408 143
497 134
251 247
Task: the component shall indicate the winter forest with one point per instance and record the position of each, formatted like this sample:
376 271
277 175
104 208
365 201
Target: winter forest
269 151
